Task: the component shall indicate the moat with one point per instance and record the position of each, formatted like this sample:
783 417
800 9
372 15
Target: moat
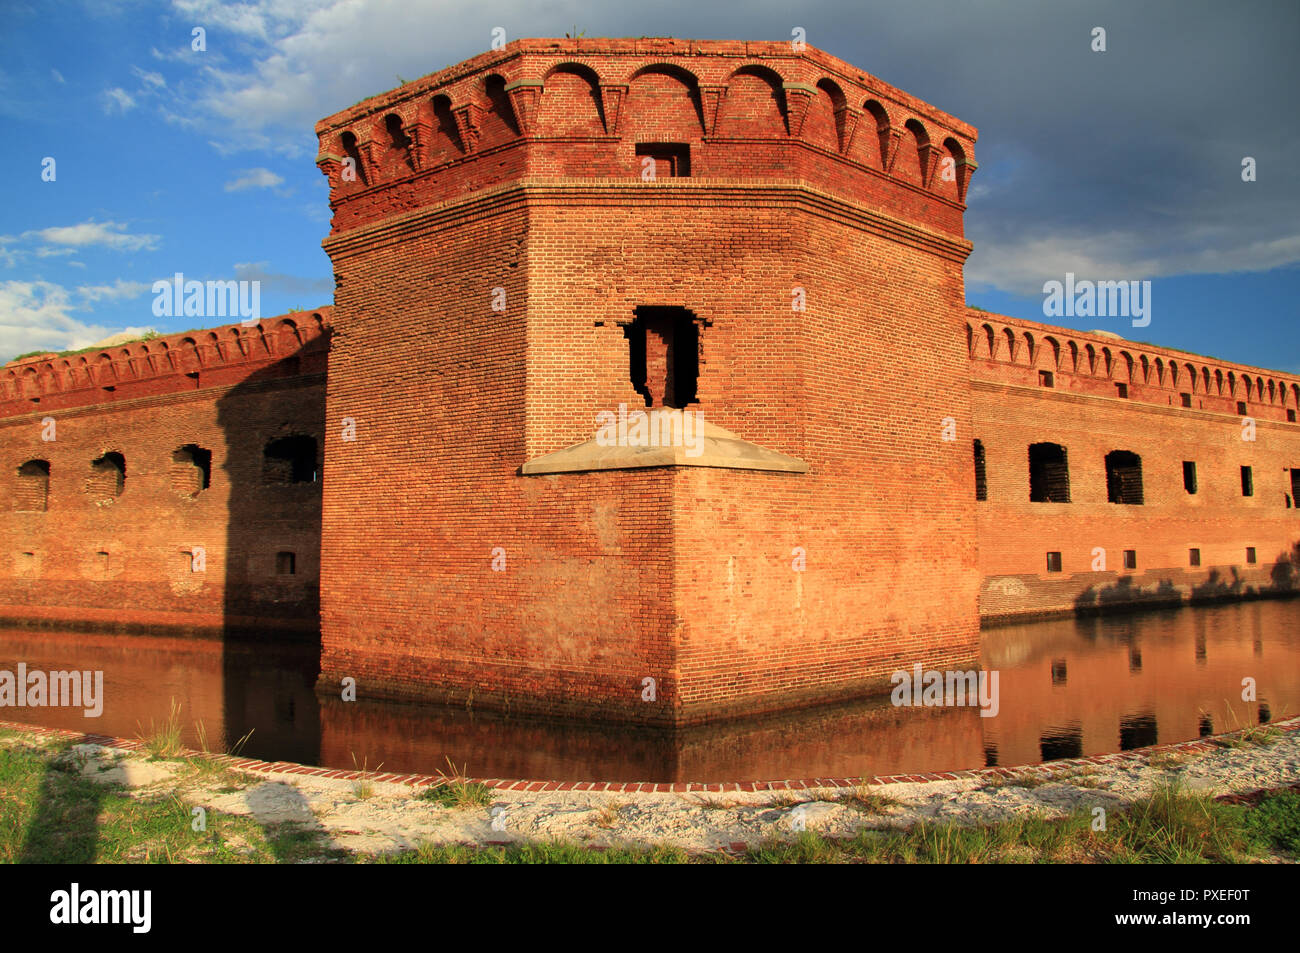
1068 687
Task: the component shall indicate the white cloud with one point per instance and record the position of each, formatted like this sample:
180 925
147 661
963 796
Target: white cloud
1022 264
118 99
150 79
37 316
118 290
90 233
58 77
258 178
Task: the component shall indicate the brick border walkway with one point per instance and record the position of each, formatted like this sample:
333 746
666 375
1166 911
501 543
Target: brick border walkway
680 787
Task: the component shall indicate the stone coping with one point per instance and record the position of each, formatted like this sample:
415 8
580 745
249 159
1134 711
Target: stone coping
1045 770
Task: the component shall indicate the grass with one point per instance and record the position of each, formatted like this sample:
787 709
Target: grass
608 814
363 788
53 816
163 740
455 791
50 813
869 801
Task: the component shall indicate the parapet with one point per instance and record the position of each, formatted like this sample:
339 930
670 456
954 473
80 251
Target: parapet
1015 351
283 346
605 109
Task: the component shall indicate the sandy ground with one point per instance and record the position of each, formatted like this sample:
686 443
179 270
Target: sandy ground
392 818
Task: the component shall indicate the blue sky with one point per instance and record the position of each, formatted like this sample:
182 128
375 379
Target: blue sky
1123 164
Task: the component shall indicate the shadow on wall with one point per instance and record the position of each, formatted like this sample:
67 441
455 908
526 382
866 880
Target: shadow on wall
1284 579
274 427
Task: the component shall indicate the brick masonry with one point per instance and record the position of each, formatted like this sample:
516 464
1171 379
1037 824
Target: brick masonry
494 235
1049 771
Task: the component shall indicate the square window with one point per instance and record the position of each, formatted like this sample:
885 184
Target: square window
1053 562
1189 476
1290 416
284 564
1130 559
1193 557
1045 379
1121 390
1250 555
1186 399
663 160
1241 407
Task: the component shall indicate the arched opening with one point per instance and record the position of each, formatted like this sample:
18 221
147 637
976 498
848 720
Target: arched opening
33 494
191 470
1049 474
1124 477
107 477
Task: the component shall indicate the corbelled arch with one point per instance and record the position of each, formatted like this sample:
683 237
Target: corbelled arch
754 105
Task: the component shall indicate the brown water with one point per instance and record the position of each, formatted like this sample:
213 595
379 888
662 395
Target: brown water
1066 688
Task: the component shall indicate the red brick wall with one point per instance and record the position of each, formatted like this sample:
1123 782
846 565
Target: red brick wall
1083 414
681 576
229 391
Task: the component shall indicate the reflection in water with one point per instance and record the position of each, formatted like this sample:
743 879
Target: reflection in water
1069 687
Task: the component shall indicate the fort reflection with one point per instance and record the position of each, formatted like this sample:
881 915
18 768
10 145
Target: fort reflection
1068 687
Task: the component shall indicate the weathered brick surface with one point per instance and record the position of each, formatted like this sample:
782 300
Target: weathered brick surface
124 560
496 240
1083 413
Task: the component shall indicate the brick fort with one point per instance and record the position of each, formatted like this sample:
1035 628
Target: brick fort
764 246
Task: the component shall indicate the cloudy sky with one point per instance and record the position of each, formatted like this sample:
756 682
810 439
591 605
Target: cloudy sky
1122 164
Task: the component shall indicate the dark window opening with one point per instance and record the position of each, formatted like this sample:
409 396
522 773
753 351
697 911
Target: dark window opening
670 159
33 487
981 481
1045 379
285 564
1247 482
1053 562
1265 713
1134 658
1241 407
1205 727
1049 474
664 355
1186 399
1137 731
349 143
290 460
1130 559
1193 557
1250 555
1124 477
1189 476
1295 484
1061 743
191 470
1058 671
1121 390
107 476
1290 416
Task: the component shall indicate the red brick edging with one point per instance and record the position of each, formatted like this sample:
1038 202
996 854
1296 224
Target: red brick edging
677 787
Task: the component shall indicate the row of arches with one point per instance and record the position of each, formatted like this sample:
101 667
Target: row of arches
288 459
1117 363
573 99
161 356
